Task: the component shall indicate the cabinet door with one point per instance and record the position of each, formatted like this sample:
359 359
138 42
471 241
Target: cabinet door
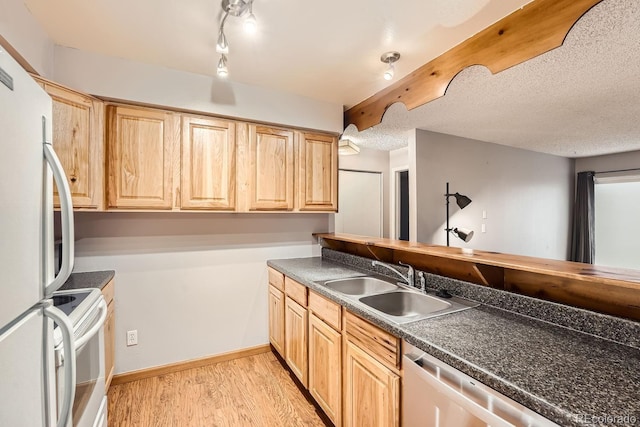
78 141
271 163
325 369
141 151
318 172
109 344
276 319
208 173
295 341
372 391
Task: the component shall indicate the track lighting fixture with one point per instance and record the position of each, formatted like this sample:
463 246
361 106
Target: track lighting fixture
250 23
390 58
222 46
237 8
223 71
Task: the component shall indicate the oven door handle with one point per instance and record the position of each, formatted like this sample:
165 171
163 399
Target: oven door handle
102 306
66 328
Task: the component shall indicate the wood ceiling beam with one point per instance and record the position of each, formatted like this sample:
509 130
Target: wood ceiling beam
538 27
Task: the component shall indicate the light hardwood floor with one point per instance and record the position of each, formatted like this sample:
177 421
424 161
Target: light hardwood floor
250 391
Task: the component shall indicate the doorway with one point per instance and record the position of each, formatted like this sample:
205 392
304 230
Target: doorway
402 204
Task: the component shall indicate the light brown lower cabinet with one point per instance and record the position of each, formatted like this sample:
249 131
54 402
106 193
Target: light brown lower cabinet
295 341
325 368
349 366
372 391
276 319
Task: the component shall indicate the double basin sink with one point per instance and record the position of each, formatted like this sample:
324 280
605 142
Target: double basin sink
396 302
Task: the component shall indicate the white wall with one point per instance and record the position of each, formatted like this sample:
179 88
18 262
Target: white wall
130 80
372 161
527 196
193 285
25 35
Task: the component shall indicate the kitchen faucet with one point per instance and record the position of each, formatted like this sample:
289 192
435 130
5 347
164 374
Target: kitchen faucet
410 279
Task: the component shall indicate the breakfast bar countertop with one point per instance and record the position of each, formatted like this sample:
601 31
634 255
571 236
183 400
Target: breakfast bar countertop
570 377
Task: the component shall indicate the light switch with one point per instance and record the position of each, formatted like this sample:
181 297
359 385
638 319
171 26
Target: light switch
484 214
484 228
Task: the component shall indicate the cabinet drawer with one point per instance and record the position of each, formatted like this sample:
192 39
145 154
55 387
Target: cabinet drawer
326 310
109 291
276 279
380 344
296 291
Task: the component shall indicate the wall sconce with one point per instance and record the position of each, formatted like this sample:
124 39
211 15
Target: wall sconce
347 148
462 201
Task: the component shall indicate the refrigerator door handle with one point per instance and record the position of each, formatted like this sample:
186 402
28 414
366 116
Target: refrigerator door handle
96 326
66 219
69 359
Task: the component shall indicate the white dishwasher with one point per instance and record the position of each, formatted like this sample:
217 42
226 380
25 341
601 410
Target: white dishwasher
435 394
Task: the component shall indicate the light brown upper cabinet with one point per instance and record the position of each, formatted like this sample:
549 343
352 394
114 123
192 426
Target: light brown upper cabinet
78 129
271 168
318 172
208 172
141 143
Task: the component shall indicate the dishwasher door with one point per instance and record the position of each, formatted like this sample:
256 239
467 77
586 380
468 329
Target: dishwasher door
435 394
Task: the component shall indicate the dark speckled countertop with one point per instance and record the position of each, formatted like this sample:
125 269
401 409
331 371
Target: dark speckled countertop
565 375
91 279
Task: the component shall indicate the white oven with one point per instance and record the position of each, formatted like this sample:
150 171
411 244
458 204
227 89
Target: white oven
87 310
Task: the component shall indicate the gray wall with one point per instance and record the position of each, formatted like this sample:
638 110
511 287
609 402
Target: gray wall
527 196
609 162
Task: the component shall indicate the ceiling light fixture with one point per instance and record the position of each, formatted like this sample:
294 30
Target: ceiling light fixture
223 71
390 58
237 8
346 147
250 23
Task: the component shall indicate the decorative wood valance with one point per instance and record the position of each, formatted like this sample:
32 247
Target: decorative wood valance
538 27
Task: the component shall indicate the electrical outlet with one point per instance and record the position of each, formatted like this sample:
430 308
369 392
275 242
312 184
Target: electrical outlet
132 337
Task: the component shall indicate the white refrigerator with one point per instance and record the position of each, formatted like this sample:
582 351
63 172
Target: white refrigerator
27 163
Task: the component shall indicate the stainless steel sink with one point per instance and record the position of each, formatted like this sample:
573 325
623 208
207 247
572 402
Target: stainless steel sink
397 303
407 306
405 303
360 286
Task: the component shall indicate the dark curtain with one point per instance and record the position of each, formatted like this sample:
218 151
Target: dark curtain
583 236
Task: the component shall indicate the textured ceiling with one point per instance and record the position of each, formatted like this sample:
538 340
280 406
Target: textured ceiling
328 50
581 99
